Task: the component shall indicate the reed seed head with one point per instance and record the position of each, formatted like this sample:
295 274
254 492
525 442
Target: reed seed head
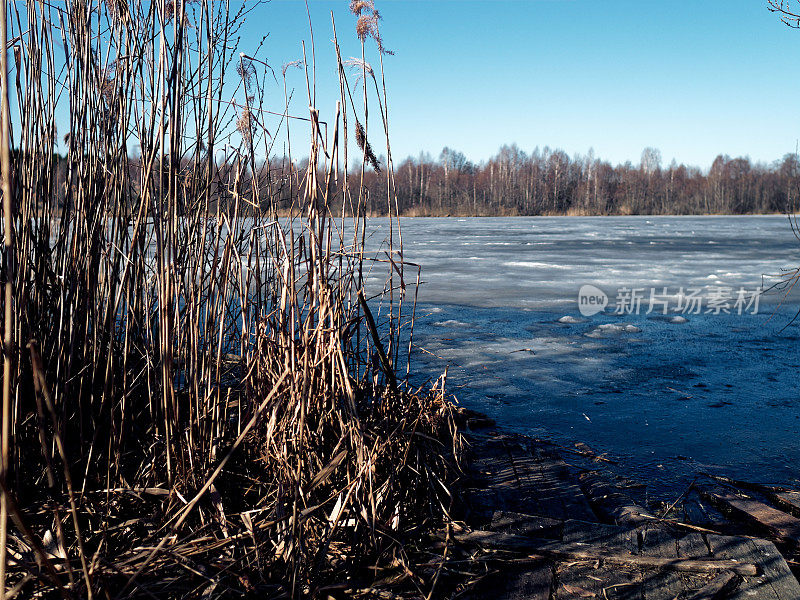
116 8
359 6
359 65
246 71
245 127
293 64
367 26
363 143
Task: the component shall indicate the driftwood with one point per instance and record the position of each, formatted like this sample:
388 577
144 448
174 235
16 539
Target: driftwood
788 501
580 449
785 498
577 551
472 419
778 523
718 588
611 503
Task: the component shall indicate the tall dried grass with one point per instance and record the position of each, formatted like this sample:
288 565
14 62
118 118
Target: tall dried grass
202 400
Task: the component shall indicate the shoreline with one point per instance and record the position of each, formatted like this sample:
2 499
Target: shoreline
584 535
287 214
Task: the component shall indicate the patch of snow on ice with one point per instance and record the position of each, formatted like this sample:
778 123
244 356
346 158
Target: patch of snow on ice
613 329
571 320
535 265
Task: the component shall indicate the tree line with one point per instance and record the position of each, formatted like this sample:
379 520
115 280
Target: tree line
513 182
550 182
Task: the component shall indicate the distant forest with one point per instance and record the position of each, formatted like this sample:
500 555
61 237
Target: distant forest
549 182
545 182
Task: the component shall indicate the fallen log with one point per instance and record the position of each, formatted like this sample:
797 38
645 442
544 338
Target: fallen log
580 449
577 551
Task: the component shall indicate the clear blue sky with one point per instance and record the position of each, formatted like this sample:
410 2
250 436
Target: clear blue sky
691 78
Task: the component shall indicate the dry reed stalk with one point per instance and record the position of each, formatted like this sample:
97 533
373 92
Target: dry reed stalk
8 322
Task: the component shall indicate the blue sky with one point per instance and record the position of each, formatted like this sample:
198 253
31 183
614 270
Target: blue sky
694 79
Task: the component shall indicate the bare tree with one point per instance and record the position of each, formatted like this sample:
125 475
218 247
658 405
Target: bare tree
788 10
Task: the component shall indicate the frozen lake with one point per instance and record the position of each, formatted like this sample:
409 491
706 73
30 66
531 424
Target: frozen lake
706 389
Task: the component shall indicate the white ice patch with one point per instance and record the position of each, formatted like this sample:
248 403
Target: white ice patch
613 330
535 265
571 320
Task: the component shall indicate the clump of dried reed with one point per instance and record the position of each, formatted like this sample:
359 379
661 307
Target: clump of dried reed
202 398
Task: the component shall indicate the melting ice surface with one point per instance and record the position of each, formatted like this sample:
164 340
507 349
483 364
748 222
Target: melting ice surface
666 395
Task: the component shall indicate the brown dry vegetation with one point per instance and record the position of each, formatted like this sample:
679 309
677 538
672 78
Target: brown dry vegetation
202 400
